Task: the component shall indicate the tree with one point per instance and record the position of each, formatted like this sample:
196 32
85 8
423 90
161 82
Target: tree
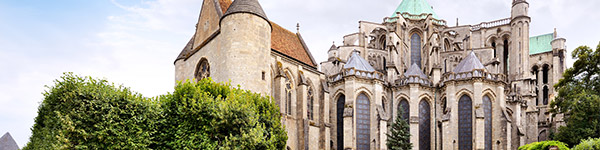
208 115
544 145
579 97
86 113
399 135
589 144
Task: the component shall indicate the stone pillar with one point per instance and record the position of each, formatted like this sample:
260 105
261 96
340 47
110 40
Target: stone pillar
349 134
450 125
479 124
414 115
540 84
300 114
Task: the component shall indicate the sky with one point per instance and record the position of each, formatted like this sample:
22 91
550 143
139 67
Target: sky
135 42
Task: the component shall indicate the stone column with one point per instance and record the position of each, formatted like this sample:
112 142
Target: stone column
349 134
414 115
479 124
300 115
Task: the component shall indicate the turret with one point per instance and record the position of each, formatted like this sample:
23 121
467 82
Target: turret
558 56
518 54
333 52
245 49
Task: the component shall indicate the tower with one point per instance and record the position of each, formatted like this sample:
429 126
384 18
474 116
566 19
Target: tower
518 54
246 46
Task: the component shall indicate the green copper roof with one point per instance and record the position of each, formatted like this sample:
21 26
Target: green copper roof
415 7
540 43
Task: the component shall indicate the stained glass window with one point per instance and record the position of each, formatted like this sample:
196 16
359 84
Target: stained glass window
424 125
288 96
465 123
309 103
340 121
487 110
405 109
202 70
363 122
415 49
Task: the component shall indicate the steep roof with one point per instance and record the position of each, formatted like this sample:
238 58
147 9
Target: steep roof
415 7
8 143
470 63
282 40
414 70
358 63
246 6
540 43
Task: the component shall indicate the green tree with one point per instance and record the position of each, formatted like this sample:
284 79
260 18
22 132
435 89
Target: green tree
589 144
208 115
86 113
544 145
579 97
399 136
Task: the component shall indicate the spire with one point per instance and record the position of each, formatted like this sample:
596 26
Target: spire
414 70
358 63
246 6
470 63
333 47
414 7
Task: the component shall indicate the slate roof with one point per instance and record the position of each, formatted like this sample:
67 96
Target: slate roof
8 143
415 7
470 63
358 63
245 6
414 70
282 40
540 43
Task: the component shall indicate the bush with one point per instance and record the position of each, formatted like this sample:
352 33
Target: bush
589 144
544 145
208 115
86 113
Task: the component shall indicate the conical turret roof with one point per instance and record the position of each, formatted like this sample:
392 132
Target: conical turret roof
415 7
414 70
8 143
358 63
246 6
470 63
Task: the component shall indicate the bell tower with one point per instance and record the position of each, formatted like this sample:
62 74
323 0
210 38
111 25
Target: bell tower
518 56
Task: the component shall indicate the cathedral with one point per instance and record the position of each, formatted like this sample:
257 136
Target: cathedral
485 86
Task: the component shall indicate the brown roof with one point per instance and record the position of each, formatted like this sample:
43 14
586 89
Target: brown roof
282 41
290 44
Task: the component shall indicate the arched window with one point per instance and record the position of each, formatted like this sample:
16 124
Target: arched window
415 49
487 110
340 121
545 99
403 105
310 103
202 70
465 123
545 70
542 136
424 125
288 95
363 122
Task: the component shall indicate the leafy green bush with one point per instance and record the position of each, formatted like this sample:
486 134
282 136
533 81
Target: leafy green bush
589 144
86 113
544 145
208 115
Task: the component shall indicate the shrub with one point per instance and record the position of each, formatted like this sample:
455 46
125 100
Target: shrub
86 113
544 145
589 144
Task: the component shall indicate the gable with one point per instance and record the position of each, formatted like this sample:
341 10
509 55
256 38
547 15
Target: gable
208 22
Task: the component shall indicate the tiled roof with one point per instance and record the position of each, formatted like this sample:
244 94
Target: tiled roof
470 63
540 43
358 63
246 6
414 70
8 143
290 44
282 41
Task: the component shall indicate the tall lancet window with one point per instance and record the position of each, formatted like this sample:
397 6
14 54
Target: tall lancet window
415 49
424 125
288 95
363 122
340 121
465 123
310 104
405 109
487 110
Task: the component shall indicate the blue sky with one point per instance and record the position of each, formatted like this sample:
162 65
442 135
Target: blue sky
134 42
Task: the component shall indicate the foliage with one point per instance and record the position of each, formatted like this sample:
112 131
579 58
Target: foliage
589 144
399 135
544 145
208 115
579 97
86 113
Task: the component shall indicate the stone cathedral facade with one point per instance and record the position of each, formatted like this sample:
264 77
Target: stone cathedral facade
484 86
